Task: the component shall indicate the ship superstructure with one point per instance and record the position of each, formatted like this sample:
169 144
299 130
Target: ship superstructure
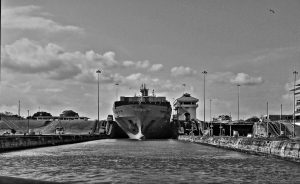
144 116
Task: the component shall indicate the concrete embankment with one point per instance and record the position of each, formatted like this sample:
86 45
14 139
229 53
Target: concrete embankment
284 149
48 127
10 143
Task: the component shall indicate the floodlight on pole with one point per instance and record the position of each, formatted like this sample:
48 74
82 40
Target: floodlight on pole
267 119
117 88
28 122
238 86
204 73
211 126
98 72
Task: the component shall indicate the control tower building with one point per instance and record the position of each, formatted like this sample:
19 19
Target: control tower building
185 107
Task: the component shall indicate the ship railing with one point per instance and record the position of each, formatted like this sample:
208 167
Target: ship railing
137 102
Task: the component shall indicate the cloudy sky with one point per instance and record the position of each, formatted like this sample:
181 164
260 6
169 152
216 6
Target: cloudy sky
51 49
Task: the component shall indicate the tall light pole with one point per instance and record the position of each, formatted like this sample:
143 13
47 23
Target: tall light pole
204 73
98 72
280 112
238 86
211 126
210 109
28 122
117 88
267 119
294 112
19 111
280 118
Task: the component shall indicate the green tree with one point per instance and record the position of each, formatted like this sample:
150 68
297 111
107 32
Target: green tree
37 114
69 113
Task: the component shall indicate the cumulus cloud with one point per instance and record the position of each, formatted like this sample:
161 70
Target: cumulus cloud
128 63
133 77
134 81
245 79
156 67
220 77
27 56
240 78
159 85
106 60
167 86
31 18
143 64
111 78
52 90
54 62
66 71
136 64
183 71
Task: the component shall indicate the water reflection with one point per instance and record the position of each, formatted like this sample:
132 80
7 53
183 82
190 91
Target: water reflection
150 161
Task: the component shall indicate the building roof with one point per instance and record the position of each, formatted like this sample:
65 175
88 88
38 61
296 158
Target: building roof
187 98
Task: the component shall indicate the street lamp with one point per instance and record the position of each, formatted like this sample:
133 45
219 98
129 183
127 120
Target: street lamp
267 119
294 112
98 72
28 122
211 126
204 73
238 86
280 117
117 84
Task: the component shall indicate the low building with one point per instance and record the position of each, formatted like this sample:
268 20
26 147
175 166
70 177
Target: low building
71 115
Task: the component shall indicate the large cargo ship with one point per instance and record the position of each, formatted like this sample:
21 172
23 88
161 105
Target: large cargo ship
144 116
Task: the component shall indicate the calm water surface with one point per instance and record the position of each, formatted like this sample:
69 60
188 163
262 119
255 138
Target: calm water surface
152 161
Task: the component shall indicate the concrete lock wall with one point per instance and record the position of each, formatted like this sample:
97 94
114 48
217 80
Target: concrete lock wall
9 143
284 149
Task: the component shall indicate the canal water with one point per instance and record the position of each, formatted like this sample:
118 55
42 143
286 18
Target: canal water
151 161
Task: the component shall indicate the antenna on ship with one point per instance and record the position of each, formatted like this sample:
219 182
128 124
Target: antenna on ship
144 90
19 108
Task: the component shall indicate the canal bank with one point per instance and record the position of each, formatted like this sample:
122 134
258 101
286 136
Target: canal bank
14 180
284 149
11 143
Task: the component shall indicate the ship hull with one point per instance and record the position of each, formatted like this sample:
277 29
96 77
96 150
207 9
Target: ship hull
144 120
114 131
